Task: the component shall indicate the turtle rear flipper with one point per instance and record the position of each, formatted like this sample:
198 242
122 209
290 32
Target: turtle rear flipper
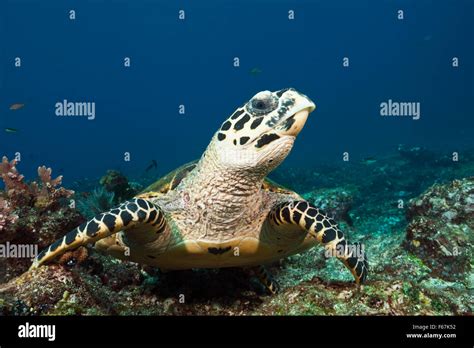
129 215
266 279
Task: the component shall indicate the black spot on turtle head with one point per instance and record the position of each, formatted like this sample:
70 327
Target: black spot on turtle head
288 123
312 212
266 139
237 114
221 136
281 91
256 122
244 140
288 103
226 126
241 123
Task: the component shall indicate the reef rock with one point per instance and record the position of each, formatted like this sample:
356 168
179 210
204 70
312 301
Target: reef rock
335 202
441 229
116 182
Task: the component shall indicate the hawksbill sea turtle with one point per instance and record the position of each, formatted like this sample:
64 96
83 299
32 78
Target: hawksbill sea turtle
222 211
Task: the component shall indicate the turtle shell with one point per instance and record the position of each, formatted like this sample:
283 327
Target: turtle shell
171 180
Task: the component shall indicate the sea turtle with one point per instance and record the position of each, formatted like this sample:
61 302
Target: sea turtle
222 211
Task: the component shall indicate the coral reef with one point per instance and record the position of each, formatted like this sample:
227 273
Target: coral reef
441 229
116 182
35 213
43 195
98 201
409 226
7 218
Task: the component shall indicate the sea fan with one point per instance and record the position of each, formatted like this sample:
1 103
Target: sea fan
97 202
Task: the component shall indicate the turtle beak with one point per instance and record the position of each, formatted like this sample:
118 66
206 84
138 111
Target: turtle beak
294 124
300 119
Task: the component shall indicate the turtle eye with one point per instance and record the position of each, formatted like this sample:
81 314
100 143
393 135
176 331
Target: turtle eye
260 105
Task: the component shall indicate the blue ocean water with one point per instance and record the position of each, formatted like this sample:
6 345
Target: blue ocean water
190 62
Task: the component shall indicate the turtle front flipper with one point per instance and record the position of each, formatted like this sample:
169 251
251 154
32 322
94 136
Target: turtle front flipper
317 224
128 215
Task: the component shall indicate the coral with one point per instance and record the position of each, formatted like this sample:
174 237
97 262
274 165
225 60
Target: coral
10 175
97 202
16 189
34 213
43 194
47 193
116 182
441 229
7 217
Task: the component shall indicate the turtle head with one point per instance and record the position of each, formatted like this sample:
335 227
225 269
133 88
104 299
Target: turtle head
260 134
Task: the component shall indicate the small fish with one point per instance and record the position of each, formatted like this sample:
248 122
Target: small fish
369 160
16 106
255 71
152 165
11 130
